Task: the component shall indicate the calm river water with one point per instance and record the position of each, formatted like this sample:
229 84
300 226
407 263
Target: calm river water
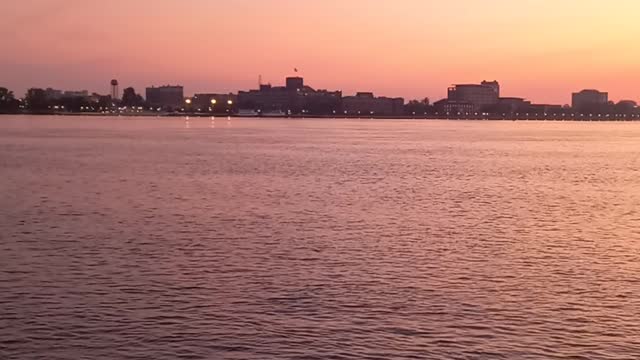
145 238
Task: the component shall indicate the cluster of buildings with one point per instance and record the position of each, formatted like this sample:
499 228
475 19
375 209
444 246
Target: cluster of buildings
295 98
57 95
484 99
463 100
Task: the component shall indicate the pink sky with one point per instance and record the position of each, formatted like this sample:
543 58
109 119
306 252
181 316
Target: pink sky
538 49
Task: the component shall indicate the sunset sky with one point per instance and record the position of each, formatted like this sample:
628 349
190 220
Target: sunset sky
538 49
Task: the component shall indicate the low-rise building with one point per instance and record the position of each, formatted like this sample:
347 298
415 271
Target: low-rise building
317 102
546 109
53 94
453 107
510 105
167 96
266 99
366 103
76 93
626 107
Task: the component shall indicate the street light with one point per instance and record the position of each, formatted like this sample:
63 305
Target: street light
188 101
214 101
230 102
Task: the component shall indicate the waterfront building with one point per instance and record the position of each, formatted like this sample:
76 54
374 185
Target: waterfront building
74 93
480 95
167 96
546 109
52 94
55 94
628 103
510 105
293 98
318 102
589 100
626 107
294 83
366 103
493 85
266 99
453 107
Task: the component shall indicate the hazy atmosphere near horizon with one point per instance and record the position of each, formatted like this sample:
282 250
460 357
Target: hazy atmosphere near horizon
320 179
540 49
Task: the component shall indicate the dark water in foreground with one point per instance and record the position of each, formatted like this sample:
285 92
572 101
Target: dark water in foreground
318 239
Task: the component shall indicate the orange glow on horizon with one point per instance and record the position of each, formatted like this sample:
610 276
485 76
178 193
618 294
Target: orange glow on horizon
542 50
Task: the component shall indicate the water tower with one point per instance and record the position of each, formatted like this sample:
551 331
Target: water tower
114 89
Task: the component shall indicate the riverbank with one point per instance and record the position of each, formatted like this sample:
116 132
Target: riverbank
514 117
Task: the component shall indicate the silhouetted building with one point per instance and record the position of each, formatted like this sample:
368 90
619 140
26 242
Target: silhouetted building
509 105
294 98
267 98
453 107
492 84
317 102
165 96
626 107
365 103
589 101
295 83
480 95
73 93
545 109
52 94
628 103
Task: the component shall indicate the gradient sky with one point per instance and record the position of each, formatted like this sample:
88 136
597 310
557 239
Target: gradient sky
538 49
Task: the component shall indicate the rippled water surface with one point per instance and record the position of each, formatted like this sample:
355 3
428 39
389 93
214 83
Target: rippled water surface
162 238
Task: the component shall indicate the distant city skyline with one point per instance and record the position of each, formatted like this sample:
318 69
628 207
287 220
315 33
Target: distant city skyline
295 98
543 50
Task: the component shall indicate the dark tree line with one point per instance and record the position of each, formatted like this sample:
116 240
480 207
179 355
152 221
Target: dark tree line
131 99
8 102
37 101
418 107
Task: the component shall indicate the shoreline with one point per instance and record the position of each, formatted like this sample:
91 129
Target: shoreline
598 118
